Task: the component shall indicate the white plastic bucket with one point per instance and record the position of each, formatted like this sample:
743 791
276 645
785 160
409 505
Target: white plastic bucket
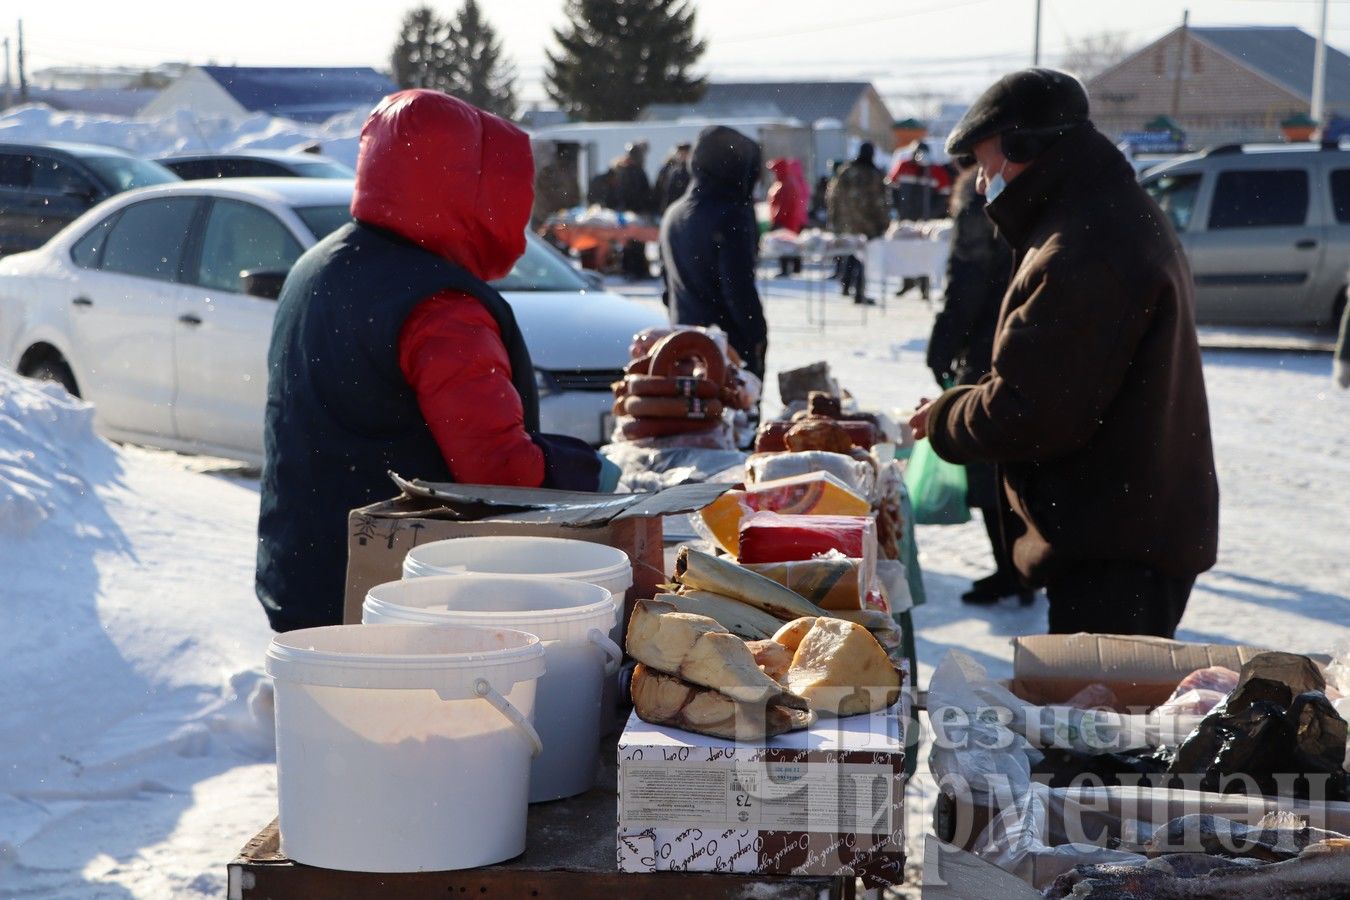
599 564
404 748
571 618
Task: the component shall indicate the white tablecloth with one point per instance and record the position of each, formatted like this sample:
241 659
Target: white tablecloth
905 258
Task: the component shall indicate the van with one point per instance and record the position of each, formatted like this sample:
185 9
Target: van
1266 229
44 187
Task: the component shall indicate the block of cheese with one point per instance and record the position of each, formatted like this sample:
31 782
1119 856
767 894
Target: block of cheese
841 670
807 494
791 634
768 537
698 650
772 657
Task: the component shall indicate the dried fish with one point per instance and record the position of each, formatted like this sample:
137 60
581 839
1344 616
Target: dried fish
704 572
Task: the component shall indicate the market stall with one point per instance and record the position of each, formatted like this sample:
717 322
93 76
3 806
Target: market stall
596 235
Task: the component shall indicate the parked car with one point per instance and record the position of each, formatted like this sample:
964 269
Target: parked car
254 164
157 307
1266 229
44 187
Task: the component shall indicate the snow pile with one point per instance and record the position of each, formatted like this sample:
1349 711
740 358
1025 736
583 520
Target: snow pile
132 648
184 132
46 441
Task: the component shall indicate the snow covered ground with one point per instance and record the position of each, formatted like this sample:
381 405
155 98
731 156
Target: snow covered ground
136 757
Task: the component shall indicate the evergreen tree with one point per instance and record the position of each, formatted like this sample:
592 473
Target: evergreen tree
481 75
421 57
619 56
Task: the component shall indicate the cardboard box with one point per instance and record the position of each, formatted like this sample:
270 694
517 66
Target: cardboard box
1077 820
825 801
1051 668
380 535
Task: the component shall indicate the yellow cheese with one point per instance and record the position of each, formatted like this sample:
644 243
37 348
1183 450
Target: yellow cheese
809 494
841 670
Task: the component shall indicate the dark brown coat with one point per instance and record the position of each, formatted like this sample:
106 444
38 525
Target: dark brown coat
1095 408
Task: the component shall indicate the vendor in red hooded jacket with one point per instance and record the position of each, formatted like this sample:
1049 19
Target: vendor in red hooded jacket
788 198
391 352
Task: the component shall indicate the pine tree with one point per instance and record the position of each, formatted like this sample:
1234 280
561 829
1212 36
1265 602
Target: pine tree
619 56
421 57
481 75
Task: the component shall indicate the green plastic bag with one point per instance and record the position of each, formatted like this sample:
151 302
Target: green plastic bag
936 487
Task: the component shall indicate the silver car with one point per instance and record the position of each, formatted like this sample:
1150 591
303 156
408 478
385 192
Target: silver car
1266 229
157 307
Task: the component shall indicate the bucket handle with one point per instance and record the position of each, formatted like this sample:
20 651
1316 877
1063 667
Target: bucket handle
612 651
503 706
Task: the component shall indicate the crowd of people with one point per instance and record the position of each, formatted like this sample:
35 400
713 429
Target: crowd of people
1083 425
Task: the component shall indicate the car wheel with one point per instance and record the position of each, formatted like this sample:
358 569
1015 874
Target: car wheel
54 369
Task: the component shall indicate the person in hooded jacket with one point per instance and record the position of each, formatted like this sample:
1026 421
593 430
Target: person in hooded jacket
391 352
787 205
710 243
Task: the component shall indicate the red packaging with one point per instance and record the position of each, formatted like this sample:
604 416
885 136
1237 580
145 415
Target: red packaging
767 537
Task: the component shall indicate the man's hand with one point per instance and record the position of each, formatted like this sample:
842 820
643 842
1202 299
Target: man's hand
919 421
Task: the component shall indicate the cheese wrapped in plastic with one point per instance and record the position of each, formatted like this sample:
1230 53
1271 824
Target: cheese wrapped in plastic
830 582
769 538
810 493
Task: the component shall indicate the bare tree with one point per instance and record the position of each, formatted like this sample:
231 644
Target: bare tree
1095 53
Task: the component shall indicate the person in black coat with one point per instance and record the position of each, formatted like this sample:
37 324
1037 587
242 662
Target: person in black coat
673 179
961 347
710 243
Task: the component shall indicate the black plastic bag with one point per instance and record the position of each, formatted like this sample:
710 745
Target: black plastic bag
1276 722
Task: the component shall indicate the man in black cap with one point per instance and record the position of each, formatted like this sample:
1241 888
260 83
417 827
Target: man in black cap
1094 410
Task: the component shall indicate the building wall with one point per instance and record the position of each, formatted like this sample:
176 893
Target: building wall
870 120
197 91
1222 101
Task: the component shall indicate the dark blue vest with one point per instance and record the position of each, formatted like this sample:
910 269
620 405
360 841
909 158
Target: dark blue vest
340 414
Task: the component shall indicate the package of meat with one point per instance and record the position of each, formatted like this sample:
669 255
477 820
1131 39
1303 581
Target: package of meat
767 537
1212 678
830 582
1194 703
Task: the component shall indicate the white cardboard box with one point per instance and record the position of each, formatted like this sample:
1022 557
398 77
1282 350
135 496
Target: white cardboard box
825 801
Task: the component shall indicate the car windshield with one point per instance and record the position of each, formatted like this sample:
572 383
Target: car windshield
541 268
322 169
122 173
324 220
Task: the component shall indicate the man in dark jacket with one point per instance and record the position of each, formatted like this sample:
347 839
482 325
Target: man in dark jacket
673 179
856 200
710 242
631 192
1094 409
391 352
959 352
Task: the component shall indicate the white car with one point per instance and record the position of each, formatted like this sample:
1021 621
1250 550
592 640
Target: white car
156 306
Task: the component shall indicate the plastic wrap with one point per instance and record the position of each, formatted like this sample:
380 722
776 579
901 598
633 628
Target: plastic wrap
832 582
858 475
1022 840
809 494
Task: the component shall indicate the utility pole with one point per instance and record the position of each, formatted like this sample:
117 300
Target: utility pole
1036 45
1319 84
23 78
7 81
1181 64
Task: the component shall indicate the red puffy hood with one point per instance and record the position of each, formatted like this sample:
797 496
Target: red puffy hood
780 168
446 175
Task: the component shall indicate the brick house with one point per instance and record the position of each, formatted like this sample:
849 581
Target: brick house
1237 84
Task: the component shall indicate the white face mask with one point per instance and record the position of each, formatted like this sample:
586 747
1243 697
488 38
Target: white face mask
996 184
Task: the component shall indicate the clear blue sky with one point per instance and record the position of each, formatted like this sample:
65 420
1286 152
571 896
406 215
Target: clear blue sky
912 49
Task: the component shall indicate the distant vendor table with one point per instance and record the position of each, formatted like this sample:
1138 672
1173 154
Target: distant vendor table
895 259
571 853
598 237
